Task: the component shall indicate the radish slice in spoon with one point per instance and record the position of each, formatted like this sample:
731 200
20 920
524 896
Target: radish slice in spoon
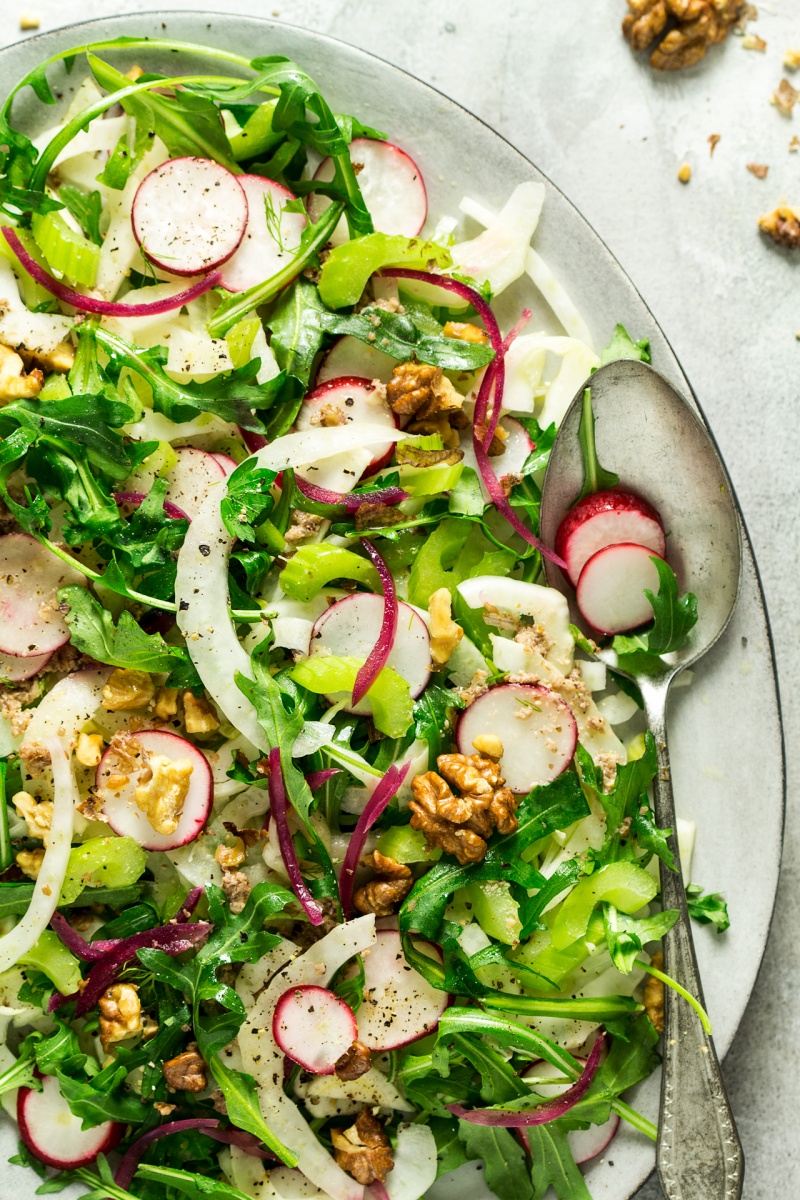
144 766
536 727
189 215
399 1005
314 1027
607 519
611 587
53 1133
271 237
349 401
391 184
352 358
351 627
189 480
30 576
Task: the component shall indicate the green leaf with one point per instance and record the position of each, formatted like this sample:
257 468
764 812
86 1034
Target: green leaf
85 421
505 1170
553 1166
434 714
296 331
93 632
622 345
674 616
86 208
625 936
95 1107
397 334
708 909
450 1152
595 477
629 1061
241 1102
466 497
188 1183
248 499
650 837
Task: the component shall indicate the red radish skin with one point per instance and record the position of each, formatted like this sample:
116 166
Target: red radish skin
603 519
267 244
610 591
352 626
536 727
51 1132
399 1006
357 400
120 809
31 624
227 463
189 215
16 670
313 1027
391 184
189 480
350 357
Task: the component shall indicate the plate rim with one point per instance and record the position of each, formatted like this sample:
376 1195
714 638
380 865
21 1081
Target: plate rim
163 16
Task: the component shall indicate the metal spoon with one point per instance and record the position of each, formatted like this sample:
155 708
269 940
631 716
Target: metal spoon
649 435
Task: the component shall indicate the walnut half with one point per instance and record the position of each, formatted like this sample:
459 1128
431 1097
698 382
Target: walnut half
461 825
363 1150
392 884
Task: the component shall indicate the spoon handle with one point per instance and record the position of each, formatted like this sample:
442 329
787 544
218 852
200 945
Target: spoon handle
699 1155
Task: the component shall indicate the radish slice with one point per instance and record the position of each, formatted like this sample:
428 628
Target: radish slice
399 1005
314 1027
189 215
120 771
610 592
585 1144
53 1133
271 237
188 482
349 401
16 670
352 627
391 184
227 463
30 576
350 357
135 499
536 727
607 519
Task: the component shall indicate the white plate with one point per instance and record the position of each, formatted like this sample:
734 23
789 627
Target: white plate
725 730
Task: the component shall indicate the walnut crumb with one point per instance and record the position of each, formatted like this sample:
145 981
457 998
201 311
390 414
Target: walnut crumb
783 226
363 1151
751 41
713 141
186 1072
354 1063
758 169
653 998
784 97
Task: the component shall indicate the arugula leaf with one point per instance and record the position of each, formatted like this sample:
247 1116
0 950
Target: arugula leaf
504 1166
626 796
450 1151
398 335
87 421
629 1061
674 617
595 477
499 1081
248 499
708 909
433 717
244 1111
650 837
545 809
622 345
92 631
553 1164
95 1107
543 440
199 1187
86 208
16 201
625 936
294 324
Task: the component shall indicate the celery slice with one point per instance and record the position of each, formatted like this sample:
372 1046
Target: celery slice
111 862
330 675
67 251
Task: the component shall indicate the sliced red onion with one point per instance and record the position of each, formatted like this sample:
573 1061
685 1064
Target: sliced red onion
351 501
189 905
279 810
129 1162
508 340
253 441
104 308
82 949
376 659
172 939
137 498
317 778
545 1112
386 789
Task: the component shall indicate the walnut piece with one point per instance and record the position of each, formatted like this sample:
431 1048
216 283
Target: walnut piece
237 887
120 1013
354 1063
444 632
230 857
691 27
785 97
783 226
60 359
463 331
186 1072
653 998
407 454
199 714
166 703
37 815
488 745
377 516
644 23
421 391
162 790
363 1150
14 383
126 689
303 525
89 749
30 862
392 884
461 825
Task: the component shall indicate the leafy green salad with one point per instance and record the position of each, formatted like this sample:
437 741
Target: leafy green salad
327 863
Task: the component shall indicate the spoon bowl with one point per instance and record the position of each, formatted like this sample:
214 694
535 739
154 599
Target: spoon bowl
647 433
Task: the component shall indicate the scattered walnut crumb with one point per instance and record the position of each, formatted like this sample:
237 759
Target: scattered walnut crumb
464 331
713 140
488 745
29 21
166 703
758 169
783 226
791 60
37 815
199 714
784 97
304 525
684 172
794 144
237 887
127 689
751 41
164 1110
230 857
89 749
653 998
30 862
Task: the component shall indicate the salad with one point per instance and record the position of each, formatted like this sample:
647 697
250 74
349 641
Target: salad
328 865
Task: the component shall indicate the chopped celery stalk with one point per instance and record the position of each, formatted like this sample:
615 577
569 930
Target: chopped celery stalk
557 965
406 845
430 481
495 910
256 135
55 387
67 251
622 884
347 268
6 851
636 747
161 461
33 294
330 675
53 959
240 340
110 862
313 567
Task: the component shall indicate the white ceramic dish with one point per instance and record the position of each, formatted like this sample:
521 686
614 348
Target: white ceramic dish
726 737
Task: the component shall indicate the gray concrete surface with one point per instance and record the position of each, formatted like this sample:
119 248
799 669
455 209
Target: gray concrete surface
556 79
